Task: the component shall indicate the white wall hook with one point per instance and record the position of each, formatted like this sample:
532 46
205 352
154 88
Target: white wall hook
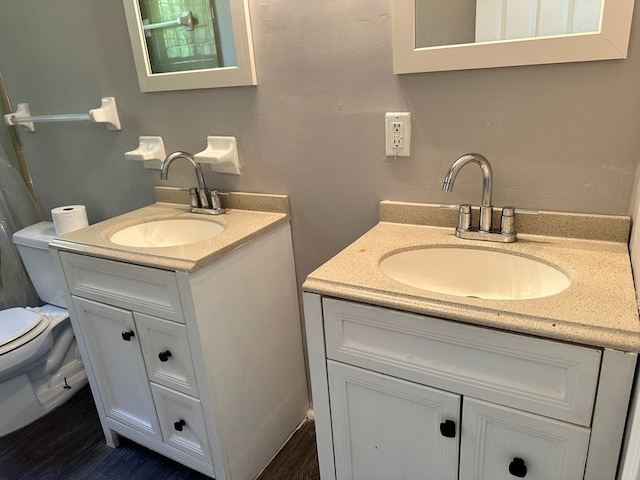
107 113
150 151
221 154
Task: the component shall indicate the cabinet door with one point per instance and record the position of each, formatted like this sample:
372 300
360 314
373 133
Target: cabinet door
502 443
389 429
166 353
116 359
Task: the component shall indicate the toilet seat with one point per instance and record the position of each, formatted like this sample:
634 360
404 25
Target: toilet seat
19 326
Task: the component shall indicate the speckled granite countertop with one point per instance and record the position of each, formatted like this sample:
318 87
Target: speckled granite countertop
247 216
598 309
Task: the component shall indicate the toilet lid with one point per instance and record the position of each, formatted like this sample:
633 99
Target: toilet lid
17 322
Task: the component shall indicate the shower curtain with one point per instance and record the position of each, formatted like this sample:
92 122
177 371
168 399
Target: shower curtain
18 209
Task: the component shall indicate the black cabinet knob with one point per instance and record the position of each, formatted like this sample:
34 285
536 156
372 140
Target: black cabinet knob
127 335
448 428
517 468
179 424
164 356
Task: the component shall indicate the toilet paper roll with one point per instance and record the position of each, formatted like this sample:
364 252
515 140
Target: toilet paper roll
69 218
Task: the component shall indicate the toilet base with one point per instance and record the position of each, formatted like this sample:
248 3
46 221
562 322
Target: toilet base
24 401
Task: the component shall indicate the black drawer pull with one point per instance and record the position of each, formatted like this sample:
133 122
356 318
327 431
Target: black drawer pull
164 356
179 424
448 428
127 335
517 468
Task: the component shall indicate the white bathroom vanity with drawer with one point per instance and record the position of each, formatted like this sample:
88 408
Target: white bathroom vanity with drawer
414 384
193 351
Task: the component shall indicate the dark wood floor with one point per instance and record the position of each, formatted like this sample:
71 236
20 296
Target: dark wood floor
68 444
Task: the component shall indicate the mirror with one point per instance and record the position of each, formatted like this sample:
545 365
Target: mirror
187 44
439 35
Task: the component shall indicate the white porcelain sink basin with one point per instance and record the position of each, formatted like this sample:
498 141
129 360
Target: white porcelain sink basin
167 233
468 272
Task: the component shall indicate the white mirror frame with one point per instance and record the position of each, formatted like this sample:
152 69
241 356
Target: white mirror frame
242 74
610 42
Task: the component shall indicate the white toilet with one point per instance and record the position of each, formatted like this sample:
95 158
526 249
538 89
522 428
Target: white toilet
40 365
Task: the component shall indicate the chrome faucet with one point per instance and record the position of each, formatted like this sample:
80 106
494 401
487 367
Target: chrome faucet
507 232
202 199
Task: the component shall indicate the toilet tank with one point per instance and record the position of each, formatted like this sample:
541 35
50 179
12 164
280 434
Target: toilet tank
33 244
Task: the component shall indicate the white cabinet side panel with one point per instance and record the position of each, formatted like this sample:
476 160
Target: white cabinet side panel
319 385
248 323
610 414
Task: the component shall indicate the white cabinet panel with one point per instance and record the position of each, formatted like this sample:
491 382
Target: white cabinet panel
385 428
182 422
133 287
117 362
166 353
499 442
541 376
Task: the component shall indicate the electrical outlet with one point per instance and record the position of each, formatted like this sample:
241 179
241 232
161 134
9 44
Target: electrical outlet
398 134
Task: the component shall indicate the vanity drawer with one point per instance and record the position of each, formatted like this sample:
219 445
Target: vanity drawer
166 352
540 376
182 422
142 289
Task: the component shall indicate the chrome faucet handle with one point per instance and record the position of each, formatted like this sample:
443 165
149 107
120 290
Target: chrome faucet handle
507 222
464 218
193 195
215 201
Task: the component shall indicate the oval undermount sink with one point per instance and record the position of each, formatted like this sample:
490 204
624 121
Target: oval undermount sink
478 273
167 233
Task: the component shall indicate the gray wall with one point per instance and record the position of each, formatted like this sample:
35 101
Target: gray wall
560 137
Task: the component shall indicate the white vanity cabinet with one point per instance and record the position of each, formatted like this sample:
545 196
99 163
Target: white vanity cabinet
205 367
406 396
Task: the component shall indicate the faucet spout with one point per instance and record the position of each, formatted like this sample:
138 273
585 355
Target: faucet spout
486 209
202 200
164 168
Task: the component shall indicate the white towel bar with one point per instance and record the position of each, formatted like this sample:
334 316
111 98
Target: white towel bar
107 113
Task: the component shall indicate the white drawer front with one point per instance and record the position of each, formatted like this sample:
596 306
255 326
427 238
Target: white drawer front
142 289
499 442
550 378
182 422
166 353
